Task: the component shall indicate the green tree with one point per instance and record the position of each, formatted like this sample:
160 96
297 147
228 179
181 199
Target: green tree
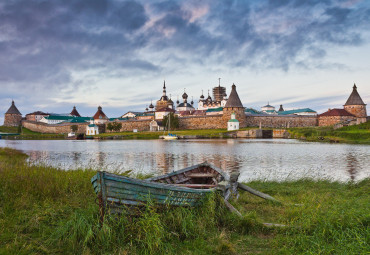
117 126
174 123
74 128
110 126
114 126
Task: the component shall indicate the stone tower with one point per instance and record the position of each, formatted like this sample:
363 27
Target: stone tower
356 106
234 105
13 117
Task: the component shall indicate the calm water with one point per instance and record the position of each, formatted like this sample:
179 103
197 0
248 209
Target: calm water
267 159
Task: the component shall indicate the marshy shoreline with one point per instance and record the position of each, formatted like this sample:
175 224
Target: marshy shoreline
51 211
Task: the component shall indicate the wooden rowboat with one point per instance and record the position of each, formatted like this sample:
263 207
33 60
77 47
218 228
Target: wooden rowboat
185 187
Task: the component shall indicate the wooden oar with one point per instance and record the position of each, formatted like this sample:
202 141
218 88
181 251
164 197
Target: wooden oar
234 210
257 193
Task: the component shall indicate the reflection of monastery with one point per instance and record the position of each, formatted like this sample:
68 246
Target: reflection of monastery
217 112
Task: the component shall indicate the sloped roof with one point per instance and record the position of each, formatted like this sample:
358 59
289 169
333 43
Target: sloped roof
233 120
234 100
354 98
74 112
13 109
37 113
99 114
296 111
336 112
252 111
219 109
185 105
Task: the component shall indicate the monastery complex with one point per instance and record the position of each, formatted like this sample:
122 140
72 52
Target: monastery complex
217 112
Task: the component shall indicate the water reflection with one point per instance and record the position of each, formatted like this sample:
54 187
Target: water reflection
255 159
352 165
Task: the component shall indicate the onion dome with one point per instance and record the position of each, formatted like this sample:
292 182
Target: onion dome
201 96
281 109
170 101
184 96
146 109
151 106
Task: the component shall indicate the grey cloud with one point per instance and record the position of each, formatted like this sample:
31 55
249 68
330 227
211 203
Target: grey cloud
43 42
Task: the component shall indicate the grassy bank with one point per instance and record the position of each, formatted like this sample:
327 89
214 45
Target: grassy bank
49 211
26 134
359 134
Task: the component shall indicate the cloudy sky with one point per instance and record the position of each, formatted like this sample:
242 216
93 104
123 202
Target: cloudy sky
114 53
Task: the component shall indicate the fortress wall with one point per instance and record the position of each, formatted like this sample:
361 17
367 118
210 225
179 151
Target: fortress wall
140 125
282 121
332 120
53 128
202 122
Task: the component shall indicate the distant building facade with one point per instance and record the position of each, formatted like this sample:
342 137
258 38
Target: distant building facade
354 112
36 116
12 117
219 99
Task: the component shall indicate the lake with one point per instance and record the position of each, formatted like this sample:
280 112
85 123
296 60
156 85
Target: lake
256 159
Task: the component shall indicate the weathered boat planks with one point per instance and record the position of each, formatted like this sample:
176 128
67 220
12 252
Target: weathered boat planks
186 187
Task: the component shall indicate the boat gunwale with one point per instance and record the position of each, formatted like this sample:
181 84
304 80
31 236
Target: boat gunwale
147 183
174 173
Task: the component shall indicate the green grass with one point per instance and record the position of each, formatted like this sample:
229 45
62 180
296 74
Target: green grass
28 134
359 134
44 210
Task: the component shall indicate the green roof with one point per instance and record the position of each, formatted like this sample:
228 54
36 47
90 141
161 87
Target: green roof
251 110
79 119
270 111
58 117
233 120
145 114
219 109
92 125
296 111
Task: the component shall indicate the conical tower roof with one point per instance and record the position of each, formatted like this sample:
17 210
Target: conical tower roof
354 98
100 114
13 109
234 100
74 112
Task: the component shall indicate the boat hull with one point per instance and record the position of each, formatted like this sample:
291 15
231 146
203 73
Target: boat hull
167 137
185 187
114 191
